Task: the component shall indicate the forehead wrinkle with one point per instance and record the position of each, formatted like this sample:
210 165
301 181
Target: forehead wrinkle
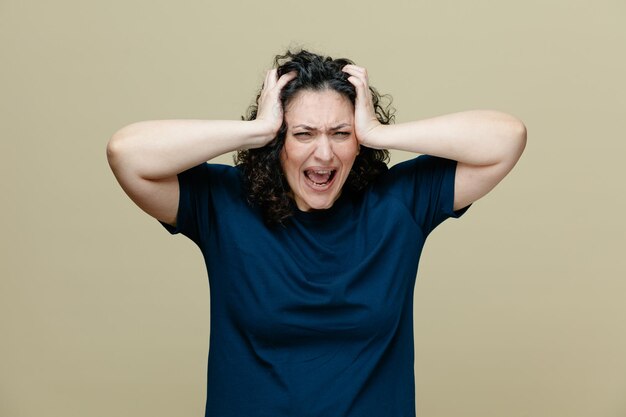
308 127
314 110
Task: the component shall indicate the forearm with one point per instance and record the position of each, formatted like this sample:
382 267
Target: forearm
477 137
162 148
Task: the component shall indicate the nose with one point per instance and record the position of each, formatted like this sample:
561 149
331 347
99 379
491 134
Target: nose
323 149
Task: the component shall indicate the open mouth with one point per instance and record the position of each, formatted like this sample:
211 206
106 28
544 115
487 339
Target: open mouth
320 177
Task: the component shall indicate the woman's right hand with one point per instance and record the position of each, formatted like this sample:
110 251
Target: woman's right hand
270 109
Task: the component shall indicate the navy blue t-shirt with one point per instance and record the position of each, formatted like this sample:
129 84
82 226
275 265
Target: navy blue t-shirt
314 318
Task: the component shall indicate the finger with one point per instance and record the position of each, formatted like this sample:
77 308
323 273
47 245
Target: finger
271 79
267 77
264 86
359 84
362 77
356 81
363 93
285 78
354 70
352 66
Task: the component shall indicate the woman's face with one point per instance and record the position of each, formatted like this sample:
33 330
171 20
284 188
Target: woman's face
320 147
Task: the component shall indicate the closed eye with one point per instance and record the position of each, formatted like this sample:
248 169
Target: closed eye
302 134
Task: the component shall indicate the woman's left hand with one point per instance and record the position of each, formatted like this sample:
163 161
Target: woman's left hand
366 124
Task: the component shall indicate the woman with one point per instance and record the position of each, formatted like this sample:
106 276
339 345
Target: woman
311 244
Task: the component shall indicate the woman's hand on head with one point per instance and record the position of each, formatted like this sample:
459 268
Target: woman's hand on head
366 123
270 109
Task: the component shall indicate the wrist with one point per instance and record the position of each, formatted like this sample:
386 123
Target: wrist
261 133
376 137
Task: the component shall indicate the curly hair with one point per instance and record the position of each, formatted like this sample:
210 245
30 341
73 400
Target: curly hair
264 180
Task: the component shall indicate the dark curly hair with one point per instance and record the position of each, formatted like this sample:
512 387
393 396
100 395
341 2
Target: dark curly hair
265 183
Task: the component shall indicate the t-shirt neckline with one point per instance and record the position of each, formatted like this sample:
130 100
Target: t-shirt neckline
340 207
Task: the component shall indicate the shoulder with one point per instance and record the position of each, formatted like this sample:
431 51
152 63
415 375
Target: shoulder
212 173
210 169
420 163
410 171
212 181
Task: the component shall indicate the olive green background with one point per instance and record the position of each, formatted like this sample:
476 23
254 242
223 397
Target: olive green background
519 305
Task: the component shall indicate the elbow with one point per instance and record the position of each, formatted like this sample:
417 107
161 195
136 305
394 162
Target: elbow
517 142
119 141
520 137
115 149
514 130
508 127
513 138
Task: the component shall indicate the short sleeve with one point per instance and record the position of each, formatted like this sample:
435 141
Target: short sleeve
428 188
192 218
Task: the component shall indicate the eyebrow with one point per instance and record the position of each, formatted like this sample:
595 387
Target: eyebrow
307 127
